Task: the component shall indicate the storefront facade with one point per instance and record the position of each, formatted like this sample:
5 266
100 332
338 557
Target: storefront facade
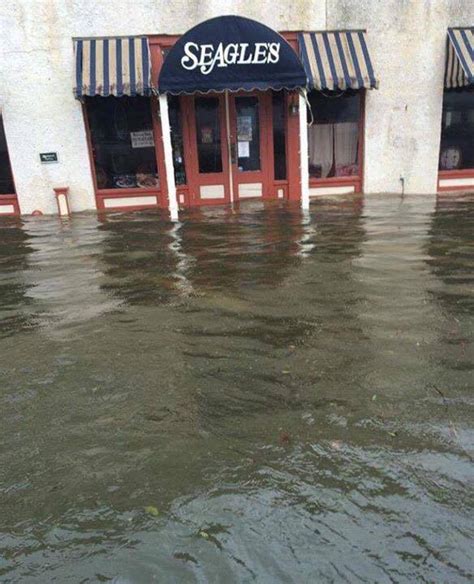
146 133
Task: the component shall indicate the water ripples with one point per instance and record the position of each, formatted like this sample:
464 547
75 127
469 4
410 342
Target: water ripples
290 394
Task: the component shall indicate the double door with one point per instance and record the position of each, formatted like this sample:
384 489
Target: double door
231 147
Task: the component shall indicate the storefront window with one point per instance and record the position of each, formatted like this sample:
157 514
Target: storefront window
333 137
122 142
279 141
457 130
6 178
208 134
177 139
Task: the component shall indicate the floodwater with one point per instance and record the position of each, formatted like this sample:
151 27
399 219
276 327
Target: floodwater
255 395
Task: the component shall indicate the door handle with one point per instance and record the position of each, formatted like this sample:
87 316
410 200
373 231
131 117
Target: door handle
233 153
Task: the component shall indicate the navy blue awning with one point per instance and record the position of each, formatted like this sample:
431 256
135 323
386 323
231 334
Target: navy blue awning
230 53
337 60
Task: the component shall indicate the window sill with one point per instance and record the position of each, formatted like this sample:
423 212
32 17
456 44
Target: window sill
9 205
336 185
127 192
456 180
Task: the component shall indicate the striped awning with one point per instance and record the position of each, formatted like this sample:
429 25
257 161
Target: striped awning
112 66
460 58
337 60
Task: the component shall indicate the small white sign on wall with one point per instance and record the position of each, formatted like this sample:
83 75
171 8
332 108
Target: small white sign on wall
142 139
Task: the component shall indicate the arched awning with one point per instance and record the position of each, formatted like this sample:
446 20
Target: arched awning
230 53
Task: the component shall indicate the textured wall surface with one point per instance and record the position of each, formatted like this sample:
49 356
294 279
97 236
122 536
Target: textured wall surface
407 40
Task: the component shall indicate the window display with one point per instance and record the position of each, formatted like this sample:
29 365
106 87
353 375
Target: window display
122 142
457 130
6 178
333 137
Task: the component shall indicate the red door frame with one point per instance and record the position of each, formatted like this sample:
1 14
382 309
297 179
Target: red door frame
264 175
194 178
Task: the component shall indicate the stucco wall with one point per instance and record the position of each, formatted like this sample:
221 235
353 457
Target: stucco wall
403 118
407 41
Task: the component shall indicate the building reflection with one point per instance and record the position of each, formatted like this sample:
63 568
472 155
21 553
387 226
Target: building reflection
449 251
15 247
139 258
241 295
63 273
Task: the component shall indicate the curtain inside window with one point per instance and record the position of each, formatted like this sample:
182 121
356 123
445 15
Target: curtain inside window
321 146
346 141
333 138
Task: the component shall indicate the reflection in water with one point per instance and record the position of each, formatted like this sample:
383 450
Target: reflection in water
14 251
289 390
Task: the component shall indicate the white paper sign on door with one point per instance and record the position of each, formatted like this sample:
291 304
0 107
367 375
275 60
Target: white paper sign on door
244 149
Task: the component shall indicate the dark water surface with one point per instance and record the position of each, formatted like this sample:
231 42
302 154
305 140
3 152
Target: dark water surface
247 396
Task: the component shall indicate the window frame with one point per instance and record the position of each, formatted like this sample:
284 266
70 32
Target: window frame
450 175
159 192
357 181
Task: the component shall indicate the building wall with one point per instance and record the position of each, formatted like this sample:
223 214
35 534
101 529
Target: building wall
407 41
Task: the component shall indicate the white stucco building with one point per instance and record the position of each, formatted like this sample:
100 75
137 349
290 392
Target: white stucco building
385 140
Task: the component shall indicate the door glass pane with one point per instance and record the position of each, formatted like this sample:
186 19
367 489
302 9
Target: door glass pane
248 133
279 141
122 139
208 134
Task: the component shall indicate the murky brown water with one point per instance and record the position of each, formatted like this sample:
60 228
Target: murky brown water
255 396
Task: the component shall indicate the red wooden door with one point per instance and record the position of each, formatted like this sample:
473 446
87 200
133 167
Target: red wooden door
229 147
208 176
251 145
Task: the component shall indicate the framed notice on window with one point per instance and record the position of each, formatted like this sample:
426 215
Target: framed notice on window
142 139
244 129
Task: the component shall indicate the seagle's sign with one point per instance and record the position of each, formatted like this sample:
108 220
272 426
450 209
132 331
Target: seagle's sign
230 53
206 56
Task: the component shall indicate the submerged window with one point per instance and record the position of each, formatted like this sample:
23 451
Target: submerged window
457 130
122 142
6 178
333 138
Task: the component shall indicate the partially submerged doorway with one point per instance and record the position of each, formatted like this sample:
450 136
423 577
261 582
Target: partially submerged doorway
225 71
230 147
